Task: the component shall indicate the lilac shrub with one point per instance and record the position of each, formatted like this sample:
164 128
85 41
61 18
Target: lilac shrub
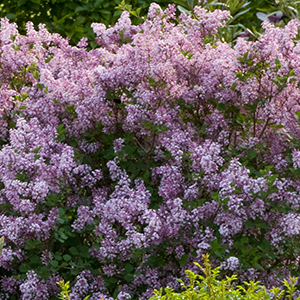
123 165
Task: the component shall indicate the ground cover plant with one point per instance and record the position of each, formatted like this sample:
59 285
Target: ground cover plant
209 287
123 165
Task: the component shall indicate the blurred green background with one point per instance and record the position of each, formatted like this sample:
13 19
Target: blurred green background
73 18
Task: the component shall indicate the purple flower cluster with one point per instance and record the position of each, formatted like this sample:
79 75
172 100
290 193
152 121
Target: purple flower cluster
122 165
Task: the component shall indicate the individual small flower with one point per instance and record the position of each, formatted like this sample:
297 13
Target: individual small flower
123 296
84 218
232 263
114 170
251 274
80 288
109 270
118 145
83 43
154 10
46 257
296 158
204 246
206 157
291 224
179 250
52 286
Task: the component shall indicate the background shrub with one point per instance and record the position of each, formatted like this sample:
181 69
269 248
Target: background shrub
211 288
73 19
69 18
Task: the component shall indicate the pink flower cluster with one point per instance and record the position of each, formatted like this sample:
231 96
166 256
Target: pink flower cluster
160 145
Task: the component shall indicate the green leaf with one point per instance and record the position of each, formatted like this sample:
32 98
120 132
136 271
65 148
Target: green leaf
240 75
97 3
35 259
80 8
183 10
10 16
21 2
221 107
121 33
215 196
12 124
73 251
31 244
80 20
57 257
236 16
62 235
15 47
67 257
278 64
40 86
84 251
203 128
128 277
61 212
251 154
183 259
244 240
297 114
233 86
22 177
60 129
24 267
78 29
49 58
257 266
128 268
218 254
272 189
1 244
54 263
36 150
261 225
112 280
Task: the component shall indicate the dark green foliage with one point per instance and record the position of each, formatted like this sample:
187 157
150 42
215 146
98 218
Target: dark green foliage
247 16
72 18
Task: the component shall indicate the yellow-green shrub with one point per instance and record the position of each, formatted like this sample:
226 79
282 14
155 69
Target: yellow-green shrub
210 288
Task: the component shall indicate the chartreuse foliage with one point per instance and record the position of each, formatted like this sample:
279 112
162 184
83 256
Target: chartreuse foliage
209 287
65 290
1 244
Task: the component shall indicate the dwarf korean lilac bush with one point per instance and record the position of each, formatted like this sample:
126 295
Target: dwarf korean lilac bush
122 165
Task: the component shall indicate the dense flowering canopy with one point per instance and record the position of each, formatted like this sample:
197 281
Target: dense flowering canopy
122 165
